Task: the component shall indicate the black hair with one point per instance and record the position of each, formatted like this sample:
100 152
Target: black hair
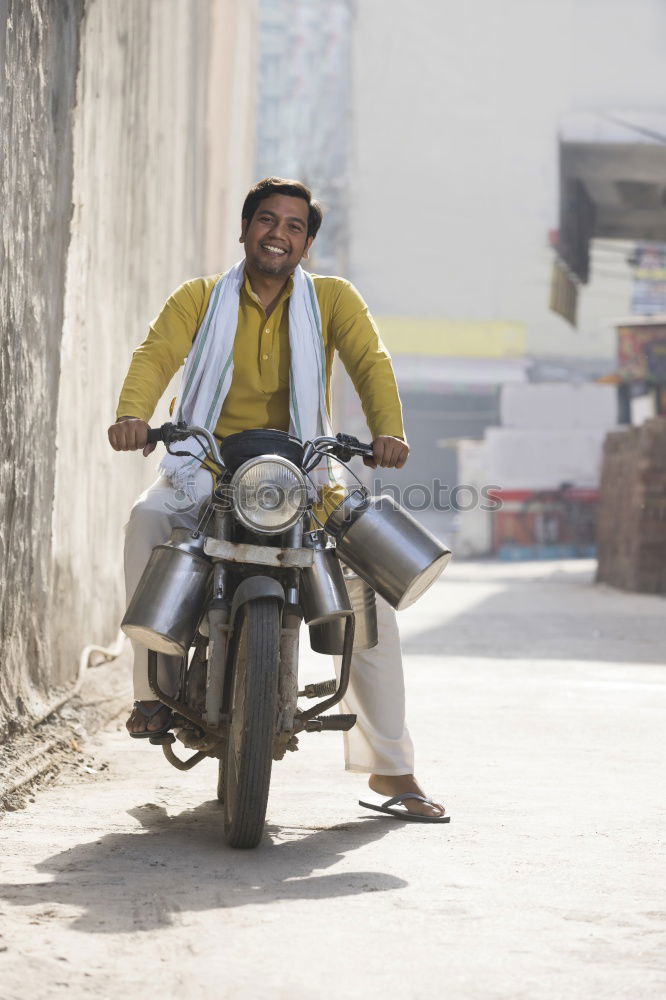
279 185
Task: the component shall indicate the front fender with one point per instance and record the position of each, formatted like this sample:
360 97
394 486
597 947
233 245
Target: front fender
253 587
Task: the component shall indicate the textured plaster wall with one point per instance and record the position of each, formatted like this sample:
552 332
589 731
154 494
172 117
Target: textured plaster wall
38 80
129 150
137 232
232 88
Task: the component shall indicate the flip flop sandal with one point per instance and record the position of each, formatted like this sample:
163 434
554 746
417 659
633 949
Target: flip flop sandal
150 713
385 807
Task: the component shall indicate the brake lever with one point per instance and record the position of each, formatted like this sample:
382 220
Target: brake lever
178 431
349 446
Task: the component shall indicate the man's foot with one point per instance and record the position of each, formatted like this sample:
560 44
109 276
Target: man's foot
140 723
396 784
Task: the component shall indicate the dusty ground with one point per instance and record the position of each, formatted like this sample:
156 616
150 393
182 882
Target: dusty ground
537 705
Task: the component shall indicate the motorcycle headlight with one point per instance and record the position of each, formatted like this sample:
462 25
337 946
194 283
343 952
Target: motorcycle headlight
269 495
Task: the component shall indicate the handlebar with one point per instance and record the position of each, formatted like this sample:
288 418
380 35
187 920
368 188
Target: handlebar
155 434
169 433
350 446
343 446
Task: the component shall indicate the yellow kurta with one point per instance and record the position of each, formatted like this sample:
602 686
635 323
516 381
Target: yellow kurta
259 391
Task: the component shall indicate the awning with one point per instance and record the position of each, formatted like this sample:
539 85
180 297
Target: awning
612 181
612 185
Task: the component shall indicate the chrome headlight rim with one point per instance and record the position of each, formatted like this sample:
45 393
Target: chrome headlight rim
300 483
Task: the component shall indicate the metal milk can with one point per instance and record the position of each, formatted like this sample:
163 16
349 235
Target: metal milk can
323 593
328 637
387 547
171 596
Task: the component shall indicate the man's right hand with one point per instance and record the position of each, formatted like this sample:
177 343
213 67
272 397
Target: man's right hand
130 434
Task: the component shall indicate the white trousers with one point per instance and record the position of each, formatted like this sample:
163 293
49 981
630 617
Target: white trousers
379 743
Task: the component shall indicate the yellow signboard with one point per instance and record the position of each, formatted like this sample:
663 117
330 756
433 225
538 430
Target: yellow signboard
452 338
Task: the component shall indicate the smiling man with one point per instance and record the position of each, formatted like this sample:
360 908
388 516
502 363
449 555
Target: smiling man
262 297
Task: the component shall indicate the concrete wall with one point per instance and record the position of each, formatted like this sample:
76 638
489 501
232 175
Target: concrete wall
457 108
39 60
130 149
232 90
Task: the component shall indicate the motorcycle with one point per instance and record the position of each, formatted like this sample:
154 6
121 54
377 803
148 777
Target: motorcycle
228 598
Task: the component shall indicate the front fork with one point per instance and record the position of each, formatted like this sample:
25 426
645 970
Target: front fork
219 631
288 679
219 628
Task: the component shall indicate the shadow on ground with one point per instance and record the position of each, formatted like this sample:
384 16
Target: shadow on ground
128 882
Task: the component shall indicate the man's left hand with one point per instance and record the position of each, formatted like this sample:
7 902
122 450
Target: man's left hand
388 452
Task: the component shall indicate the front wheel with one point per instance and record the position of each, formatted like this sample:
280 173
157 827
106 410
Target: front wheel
245 774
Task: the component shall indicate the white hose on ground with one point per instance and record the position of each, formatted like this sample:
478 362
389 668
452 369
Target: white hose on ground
105 652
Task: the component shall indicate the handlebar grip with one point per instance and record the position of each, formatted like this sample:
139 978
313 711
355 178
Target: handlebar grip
155 434
353 445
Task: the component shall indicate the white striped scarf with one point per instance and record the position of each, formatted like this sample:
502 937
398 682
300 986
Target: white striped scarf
209 369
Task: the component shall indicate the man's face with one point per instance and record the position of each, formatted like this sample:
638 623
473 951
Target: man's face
276 238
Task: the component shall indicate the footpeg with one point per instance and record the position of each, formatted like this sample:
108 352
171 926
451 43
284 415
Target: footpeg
162 739
339 723
166 744
321 690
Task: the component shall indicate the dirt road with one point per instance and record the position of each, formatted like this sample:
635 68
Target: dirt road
537 704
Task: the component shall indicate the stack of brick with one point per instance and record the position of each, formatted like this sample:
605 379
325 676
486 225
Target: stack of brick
631 537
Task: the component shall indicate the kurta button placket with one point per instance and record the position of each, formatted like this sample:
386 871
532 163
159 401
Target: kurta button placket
265 357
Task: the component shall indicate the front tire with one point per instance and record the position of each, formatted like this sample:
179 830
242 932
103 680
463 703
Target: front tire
245 774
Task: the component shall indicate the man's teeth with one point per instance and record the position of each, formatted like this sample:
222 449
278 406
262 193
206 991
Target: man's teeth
271 249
